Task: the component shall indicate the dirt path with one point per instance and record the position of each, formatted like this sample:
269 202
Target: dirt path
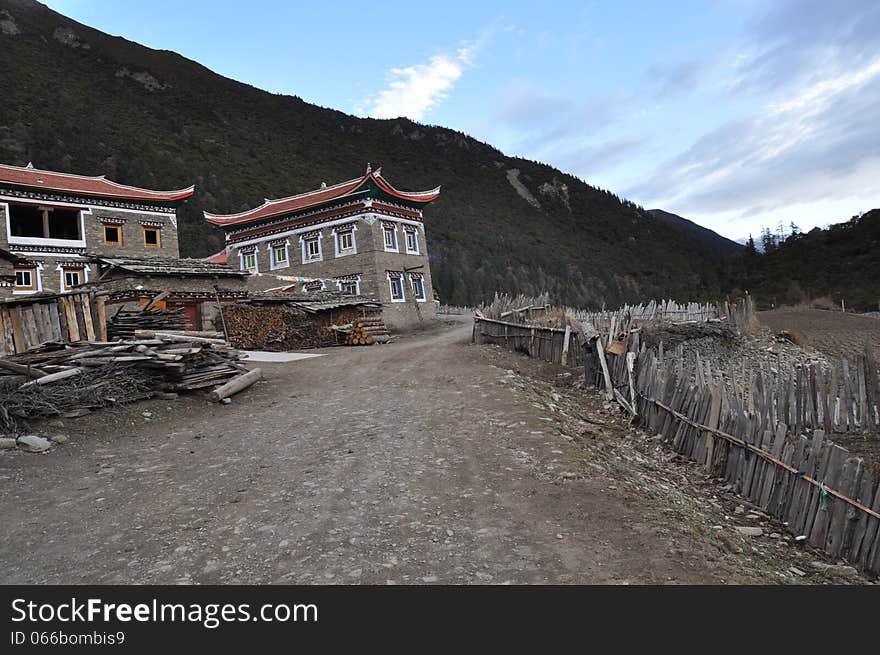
415 462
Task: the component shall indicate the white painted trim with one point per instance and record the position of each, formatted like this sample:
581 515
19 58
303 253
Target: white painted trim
28 292
40 241
85 206
273 265
402 288
336 234
396 247
357 285
412 285
415 240
316 227
256 268
62 285
304 251
305 284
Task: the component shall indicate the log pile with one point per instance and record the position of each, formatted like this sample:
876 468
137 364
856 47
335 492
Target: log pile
124 323
358 335
56 378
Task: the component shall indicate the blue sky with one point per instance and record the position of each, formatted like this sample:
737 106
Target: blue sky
733 113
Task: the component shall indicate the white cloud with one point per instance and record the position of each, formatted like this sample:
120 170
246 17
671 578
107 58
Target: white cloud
414 90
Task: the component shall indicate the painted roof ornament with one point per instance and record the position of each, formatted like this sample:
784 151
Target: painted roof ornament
369 168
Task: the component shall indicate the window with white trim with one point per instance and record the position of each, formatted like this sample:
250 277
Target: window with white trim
26 279
314 285
72 277
350 286
345 242
412 242
279 255
249 260
395 282
311 249
389 233
417 283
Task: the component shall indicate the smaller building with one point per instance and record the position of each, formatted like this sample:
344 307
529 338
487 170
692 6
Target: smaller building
197 286
362 237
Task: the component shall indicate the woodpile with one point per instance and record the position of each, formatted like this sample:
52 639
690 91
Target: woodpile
364 331
125 322
56 378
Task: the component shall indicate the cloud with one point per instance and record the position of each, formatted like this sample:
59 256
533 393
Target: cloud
667 80
415 90
818 144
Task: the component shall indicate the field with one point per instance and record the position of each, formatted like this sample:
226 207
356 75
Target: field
833 333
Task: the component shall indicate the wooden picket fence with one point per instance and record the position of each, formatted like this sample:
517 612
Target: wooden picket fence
556 345
29 321
826 495
767 438
607 321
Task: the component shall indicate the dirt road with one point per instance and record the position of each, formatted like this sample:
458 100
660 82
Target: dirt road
416 462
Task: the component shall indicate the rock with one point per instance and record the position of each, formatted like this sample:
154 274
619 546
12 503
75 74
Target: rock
835 569
147 414
775 535
34 444
226 401
59 438
6 443
739 510
748 531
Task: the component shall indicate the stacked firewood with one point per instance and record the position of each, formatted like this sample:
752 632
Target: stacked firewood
358 335
123 324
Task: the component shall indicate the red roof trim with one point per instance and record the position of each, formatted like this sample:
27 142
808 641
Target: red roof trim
218 257
302 201
82 185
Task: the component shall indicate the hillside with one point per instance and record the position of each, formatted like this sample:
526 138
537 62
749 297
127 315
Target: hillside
76 99
842 261
709 242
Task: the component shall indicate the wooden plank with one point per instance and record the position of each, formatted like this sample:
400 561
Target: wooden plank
30 326
5 331
860 519
70 315
102 318
565 342
840 516
774 475
872 535
87 316
76 306
714 415
57 334
797 515
832 473
17 329
609 393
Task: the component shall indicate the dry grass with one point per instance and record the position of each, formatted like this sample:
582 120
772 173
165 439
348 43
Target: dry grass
796 337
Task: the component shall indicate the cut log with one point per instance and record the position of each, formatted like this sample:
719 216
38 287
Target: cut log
235 385
54 377
21 370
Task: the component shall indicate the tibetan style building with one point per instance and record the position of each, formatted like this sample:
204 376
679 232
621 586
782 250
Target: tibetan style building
361 237
56 224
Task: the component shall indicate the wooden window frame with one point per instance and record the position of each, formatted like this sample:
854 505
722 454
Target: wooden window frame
411 234
158 231
80 273
307 243
393 232
30 270
118 229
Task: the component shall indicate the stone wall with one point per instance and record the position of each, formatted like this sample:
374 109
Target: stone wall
371 262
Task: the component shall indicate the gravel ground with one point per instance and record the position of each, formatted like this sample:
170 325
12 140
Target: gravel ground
428 460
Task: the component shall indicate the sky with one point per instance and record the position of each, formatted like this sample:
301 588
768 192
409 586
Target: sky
736 114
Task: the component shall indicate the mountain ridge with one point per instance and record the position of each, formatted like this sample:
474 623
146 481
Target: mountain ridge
82 101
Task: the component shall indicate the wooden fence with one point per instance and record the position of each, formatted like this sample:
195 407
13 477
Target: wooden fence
664 310
768 441
30 321
556 345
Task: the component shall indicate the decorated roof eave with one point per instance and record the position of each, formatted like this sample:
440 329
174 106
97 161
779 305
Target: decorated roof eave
175 198
377 186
